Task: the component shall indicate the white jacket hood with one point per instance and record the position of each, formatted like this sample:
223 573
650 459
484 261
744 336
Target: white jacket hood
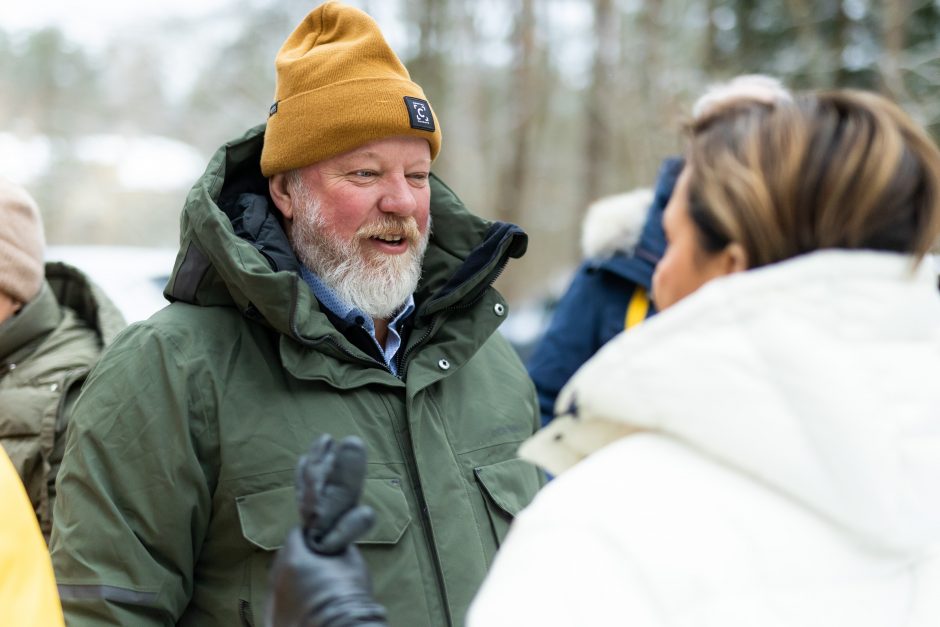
816 376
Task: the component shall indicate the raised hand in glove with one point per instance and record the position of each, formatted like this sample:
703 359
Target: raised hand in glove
319 578
329 484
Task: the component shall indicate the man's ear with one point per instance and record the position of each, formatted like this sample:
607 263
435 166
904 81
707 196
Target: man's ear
280 194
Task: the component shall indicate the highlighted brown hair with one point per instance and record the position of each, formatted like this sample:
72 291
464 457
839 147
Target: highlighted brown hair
843 169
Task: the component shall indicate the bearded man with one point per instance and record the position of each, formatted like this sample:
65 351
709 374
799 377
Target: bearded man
310 296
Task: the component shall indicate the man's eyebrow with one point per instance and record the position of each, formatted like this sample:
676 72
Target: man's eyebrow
369 154
365 153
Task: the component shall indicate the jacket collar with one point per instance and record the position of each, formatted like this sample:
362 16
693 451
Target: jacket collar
19 335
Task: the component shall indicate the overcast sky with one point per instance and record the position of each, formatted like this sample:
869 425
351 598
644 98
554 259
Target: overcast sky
93 24
90 21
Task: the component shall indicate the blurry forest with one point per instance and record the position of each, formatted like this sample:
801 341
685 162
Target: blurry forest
545 104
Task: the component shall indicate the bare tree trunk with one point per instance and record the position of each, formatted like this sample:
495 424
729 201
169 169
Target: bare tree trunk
896 13
429 66
468 158
522 109
711 47
819 62
837 46
597 146
654 105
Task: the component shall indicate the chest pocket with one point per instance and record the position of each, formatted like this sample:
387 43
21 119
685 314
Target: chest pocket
507 487
267 517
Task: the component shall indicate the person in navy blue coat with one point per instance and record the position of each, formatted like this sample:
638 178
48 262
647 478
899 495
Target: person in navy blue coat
609 291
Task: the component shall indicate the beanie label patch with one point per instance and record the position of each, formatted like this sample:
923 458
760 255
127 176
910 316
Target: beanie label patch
272 110
419 112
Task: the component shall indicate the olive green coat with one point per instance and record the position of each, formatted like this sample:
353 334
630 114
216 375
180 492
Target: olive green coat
177 484
46 351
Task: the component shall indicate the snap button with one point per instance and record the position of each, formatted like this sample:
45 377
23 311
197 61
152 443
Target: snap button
443 364
499 308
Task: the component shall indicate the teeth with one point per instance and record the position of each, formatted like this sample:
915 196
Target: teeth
388 238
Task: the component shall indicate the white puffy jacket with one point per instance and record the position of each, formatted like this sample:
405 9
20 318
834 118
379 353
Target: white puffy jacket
766 453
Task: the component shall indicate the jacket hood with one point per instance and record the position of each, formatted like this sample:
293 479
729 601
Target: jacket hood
73 289
814 376
234 252
45 315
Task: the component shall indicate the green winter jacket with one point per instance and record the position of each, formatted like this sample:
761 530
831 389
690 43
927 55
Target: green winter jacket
46 351
178 480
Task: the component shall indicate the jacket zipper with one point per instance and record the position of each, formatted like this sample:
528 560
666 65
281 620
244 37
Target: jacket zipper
412 468
429 531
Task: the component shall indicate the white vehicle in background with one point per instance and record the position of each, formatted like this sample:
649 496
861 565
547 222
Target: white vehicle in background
133 277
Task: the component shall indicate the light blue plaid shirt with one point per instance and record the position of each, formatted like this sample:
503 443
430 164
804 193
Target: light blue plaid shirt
353 315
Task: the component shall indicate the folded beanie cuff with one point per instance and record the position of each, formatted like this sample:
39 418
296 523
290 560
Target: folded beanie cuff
321 123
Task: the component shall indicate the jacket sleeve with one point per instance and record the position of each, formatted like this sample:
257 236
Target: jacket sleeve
575 333
133 497
58 447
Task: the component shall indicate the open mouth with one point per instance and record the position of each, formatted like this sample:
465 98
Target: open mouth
393 240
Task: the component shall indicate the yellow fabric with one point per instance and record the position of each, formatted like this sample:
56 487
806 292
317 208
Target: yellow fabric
637 308
339 86
28 594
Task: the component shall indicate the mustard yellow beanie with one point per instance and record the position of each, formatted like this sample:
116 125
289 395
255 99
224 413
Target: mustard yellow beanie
339 86
21 243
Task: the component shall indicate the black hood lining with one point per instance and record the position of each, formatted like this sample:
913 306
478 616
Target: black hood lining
490 253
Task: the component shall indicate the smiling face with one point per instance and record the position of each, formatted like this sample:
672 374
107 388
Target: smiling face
361 220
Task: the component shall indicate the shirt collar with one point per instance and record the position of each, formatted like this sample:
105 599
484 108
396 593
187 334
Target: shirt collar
349 313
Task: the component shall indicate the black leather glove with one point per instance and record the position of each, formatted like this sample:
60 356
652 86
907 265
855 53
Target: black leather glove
329 485
319 579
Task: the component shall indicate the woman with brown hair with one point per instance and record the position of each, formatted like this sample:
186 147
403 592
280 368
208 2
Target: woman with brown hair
766 451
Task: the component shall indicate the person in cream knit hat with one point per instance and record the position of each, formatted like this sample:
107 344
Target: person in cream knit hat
310 297
21 248
53 325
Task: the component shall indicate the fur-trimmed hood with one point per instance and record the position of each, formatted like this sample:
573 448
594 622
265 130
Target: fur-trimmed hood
615 223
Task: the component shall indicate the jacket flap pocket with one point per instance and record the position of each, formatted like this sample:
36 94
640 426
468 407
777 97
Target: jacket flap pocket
391 511
510 484
267 517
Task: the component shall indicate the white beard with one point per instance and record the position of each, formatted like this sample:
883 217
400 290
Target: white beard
377 284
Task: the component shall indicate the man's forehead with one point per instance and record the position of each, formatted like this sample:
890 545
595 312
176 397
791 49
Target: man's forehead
390 148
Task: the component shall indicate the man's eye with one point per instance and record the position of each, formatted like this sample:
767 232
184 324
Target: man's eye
364 173
418 176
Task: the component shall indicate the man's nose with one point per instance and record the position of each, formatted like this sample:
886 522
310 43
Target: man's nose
398 197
